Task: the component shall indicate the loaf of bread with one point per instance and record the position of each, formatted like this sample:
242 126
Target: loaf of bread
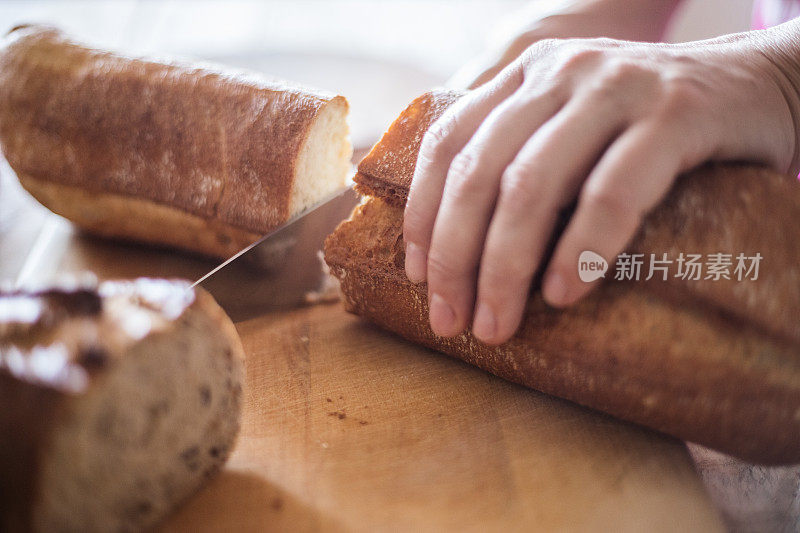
716 362
179 155
117 402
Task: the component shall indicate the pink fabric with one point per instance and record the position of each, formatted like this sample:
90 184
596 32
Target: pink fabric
768 13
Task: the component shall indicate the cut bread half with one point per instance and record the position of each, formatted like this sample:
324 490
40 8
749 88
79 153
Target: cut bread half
118 403
220 156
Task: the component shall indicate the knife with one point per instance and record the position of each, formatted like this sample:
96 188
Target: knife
277 271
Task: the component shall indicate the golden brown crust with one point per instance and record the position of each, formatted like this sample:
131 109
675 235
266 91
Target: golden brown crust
712 361
679 369
210 143
386 171
722 209
124 217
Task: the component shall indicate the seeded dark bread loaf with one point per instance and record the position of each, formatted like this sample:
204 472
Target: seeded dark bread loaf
116 403
713 362
175 154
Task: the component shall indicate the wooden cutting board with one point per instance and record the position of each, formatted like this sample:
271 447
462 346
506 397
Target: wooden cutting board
349 428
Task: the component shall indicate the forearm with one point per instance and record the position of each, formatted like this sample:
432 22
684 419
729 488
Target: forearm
631 20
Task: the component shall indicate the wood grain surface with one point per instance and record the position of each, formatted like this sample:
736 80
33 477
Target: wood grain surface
349 428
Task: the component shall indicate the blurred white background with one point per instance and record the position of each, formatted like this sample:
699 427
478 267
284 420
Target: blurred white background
379 53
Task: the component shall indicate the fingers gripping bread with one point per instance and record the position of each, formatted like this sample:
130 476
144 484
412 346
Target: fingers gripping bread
118 402
159 151
714 362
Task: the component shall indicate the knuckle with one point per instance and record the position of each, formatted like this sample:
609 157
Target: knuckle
624 69
541 93
571 59
616 77
680 97
415 225
678 119
605 42
504 275
609 200
578 57
522 188
621 71
442 270
436 141
564 56
541 48
463 183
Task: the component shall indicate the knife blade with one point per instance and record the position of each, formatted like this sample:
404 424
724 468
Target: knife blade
278 270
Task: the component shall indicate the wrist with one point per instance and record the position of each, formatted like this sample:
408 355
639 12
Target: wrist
777 55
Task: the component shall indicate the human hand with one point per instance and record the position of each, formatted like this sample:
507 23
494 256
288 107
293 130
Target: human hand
607 123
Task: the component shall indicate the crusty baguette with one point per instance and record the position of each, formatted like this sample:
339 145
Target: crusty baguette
230 155
713 362
117 403
386 171
128 218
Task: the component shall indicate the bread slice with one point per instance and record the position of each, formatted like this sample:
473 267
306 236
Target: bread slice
118 402
713 362
230 154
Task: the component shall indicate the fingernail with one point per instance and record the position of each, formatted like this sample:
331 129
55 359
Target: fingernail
443 318
555 289
416 263
485 325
